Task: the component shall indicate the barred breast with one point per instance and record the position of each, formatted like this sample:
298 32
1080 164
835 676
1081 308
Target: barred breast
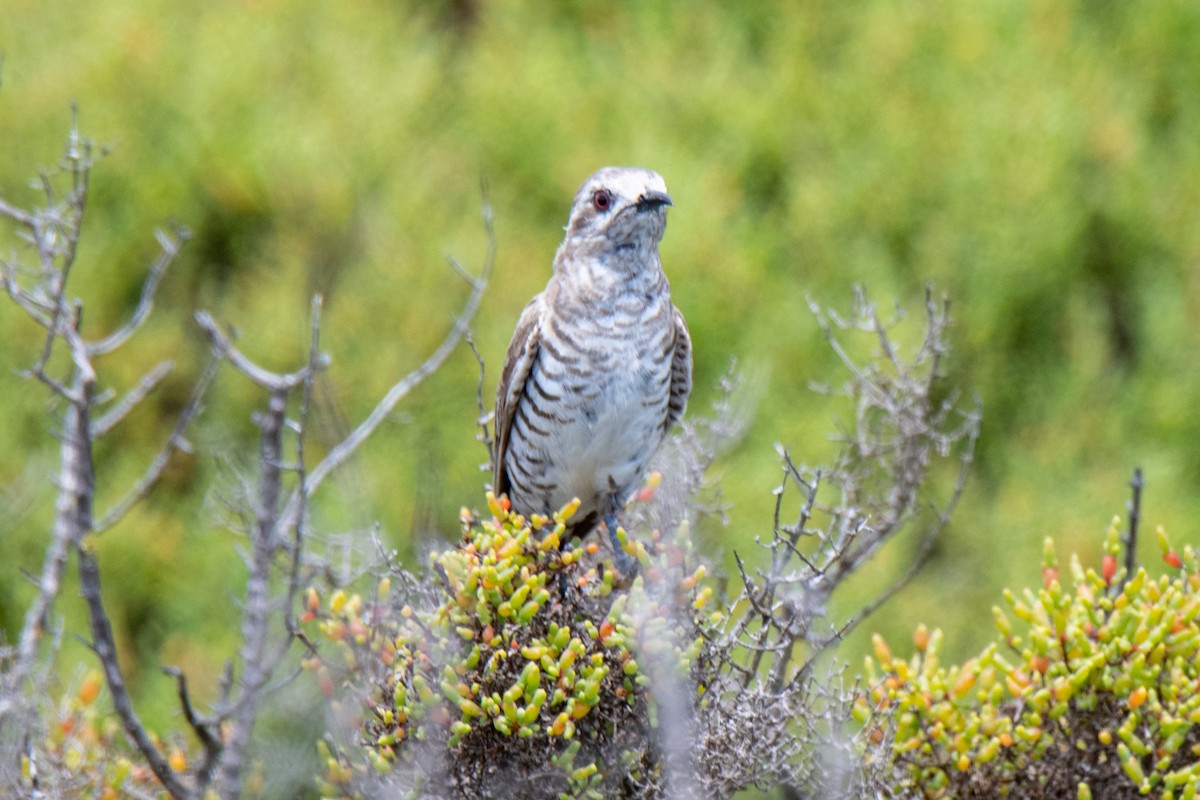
594 405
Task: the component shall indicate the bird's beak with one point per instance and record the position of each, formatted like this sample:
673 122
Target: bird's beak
653 199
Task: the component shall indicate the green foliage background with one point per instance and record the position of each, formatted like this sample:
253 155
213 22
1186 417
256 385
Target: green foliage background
1039 162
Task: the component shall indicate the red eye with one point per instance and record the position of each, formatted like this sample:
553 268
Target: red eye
602 199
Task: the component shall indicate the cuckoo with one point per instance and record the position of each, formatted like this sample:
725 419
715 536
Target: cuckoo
600 365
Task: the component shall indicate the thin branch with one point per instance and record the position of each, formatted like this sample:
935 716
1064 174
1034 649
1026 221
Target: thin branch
202 728
105 648
297 546
32 305
169 244
159 463
74 523
37 616
924 550
79 163
16 214
485 414
132 398
256 608
1129 539
398 391
401 388
272 381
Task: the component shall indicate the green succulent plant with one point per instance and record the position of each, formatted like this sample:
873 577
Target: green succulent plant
1092 692
529 660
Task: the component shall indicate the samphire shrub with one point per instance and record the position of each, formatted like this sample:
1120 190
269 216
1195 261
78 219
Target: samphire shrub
517 667
1091 690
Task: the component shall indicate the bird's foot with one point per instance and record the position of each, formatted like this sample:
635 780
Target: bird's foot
625 565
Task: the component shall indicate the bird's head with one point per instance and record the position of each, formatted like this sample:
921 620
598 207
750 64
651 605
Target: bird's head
619 208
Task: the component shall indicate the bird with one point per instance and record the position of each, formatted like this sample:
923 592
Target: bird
600 364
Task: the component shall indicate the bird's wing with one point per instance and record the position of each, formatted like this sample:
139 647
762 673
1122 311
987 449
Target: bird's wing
681 371
522 353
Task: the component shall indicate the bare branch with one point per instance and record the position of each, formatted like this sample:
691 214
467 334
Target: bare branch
256 608
16 214
272 381
928 540
485 414
241 700
297 545
163 457
762 657
32 306
54 562
202 728
132 398
105 648
72 521
1129 538
400 389
169 244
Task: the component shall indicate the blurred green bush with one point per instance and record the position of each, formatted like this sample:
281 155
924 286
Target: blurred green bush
1039 163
